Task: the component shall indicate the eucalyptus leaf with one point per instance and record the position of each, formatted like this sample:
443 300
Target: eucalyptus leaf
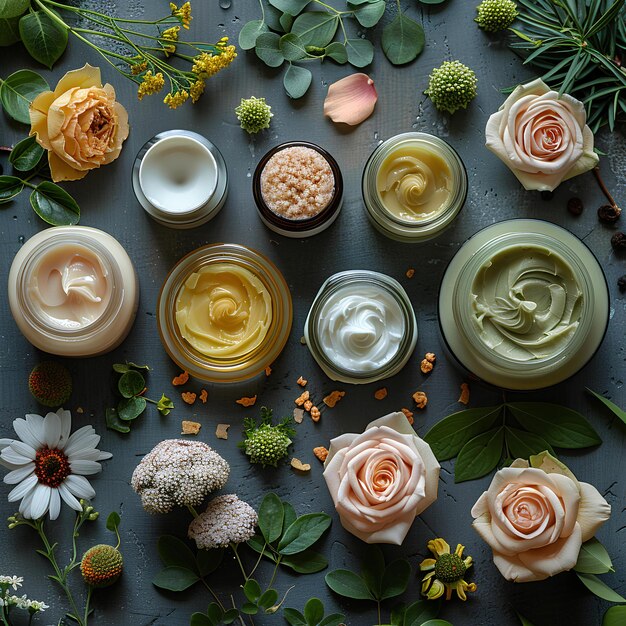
360 52
286 21
175 579
131 383
523 444
249 608
303 533
293 7
9 31
250 32
448 436
396 579
479 455
10 186
403 39
26 154
558 425
267 48
113 521
13 8
43 37
292 47
593 558
113 422
17 92
610 405
272 18
337 52
316 28
348 584
175 552
373 570
271 515
129 409
306 562
252 590
599 588
615 616
313 611
207 561
54 205
297 81
368 14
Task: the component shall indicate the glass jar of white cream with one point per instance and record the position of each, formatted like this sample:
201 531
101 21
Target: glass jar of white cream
523 305
361 327
414 185
73 291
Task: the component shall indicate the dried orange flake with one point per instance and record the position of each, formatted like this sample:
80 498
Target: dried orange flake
381 394
246 401
302 381
430 357
299 466
426 366
190 428
410 273
333 397
188 396
221 432
301 399
465 394
321 453
307 405
315 414
203 396
268 370
408 414
181 379
420 399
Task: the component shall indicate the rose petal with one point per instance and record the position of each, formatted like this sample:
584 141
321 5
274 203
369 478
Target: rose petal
86 76
351 100
593 510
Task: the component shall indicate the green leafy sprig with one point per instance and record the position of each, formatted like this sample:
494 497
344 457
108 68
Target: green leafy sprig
131 386
594 559
313 615
286 33
486 437
578 47
616 410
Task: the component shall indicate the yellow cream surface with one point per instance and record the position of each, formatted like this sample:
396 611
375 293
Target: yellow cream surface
414 182
223 310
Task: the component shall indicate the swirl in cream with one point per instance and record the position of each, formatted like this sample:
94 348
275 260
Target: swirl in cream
526 303
360 327
223 310
70 287
414 182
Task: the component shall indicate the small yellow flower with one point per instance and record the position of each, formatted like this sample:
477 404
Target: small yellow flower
174 100
151 84
445 571
169 48
183 14
138 68
171 34
196 90
207 64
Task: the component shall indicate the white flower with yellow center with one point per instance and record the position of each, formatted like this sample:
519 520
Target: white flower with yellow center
49 465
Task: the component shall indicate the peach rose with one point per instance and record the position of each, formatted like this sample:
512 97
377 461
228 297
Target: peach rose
536 516
79 123
382 479
541 137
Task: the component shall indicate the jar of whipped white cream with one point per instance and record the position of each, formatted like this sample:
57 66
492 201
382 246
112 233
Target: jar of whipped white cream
73 291
414 185
361 327
523 304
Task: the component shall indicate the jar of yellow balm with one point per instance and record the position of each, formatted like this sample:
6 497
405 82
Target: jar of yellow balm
224 313
414 185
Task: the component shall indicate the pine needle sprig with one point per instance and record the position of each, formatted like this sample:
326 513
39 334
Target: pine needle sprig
579 48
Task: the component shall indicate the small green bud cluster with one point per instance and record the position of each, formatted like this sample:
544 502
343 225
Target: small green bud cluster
452 86
496 15
267 445
254 114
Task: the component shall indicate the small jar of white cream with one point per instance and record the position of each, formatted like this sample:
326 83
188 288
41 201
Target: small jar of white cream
361 327
414 185
73 291
523 305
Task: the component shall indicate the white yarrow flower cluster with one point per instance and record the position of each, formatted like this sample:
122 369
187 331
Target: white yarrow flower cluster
20 602
178 472
11 581
227 520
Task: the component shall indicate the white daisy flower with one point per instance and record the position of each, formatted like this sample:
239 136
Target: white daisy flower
48 464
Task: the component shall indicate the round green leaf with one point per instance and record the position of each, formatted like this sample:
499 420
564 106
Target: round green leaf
113 422
360 52
479 455
113 521
396 579
436 622
337 52
285 21
615 616
175 579
17 92
215 612
250 32
316 28
232 614
26 154
421 611
272 18
297 81
334 619
249 608
207 561
267 48
175 552
368 14
306 562
54 205
44 38
131 408
292 7
131 383
292 47
268 599
271 515
403 39
313 611
10 186
294 617
200 619
304 532
252 590
13 8
373 569
9 30
348 584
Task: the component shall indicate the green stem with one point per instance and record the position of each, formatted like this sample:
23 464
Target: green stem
219 602
89 592
378 605
192 510
278 560
83 12
241 567
5 618
258 560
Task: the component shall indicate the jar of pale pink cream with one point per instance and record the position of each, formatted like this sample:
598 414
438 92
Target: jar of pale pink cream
298 189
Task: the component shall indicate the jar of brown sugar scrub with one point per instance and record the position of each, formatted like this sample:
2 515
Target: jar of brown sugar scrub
298 189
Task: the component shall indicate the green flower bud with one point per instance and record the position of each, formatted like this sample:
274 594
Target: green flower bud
496 15
452 86
254 114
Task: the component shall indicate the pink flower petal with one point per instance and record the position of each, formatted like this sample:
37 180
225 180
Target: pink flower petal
351 100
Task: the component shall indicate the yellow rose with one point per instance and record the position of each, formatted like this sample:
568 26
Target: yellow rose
79 123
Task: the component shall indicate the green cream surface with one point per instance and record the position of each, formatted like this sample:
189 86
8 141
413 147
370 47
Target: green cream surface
526 303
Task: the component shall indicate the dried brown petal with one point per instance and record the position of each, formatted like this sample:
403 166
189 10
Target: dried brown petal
188 396
299 466
465 394
190 428
221 432
321 453
420 399
181 379
302 381
246 401
203 396
298 416
333 397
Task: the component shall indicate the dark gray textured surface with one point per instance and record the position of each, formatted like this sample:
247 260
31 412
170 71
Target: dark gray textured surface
107 202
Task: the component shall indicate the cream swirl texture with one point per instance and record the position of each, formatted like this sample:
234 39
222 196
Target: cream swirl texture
526 303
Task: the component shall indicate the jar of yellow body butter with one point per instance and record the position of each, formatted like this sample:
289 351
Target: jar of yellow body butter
224 313
73 291
414 185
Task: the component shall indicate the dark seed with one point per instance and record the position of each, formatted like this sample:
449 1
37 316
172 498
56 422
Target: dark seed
575 206
547 195
618 241
609 214
621 283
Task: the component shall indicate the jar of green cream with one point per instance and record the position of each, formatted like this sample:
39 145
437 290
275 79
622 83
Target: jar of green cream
523 305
